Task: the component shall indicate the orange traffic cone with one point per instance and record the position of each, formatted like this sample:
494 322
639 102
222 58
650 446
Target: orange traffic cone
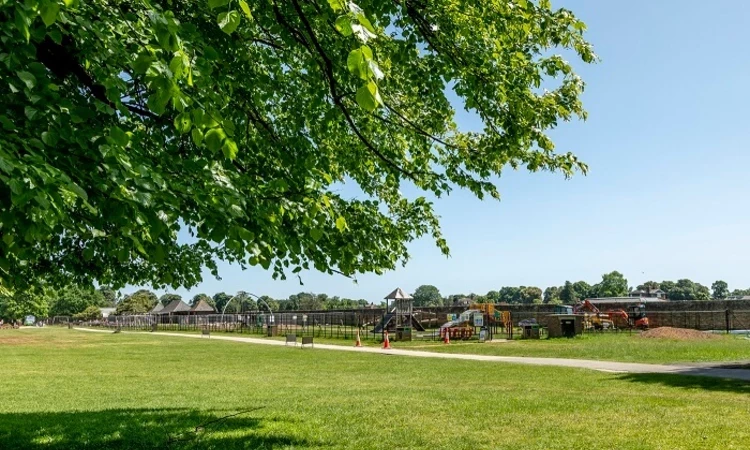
447 337
359 342
386 341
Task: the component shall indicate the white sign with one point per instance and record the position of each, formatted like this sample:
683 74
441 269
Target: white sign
478 320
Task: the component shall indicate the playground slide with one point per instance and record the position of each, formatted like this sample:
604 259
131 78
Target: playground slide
384 323
452 323
387 319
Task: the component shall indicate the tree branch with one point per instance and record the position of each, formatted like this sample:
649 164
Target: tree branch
328 71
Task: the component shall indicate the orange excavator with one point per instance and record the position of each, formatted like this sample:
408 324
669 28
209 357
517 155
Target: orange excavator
636 319
594 318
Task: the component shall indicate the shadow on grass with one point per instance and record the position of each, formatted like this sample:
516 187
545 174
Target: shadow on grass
690 381
138 429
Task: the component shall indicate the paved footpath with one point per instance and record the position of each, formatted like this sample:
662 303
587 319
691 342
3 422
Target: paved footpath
602 366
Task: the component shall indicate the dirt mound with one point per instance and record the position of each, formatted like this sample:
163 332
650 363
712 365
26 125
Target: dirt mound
682 334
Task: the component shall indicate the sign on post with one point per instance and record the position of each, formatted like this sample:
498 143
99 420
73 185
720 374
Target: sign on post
478 320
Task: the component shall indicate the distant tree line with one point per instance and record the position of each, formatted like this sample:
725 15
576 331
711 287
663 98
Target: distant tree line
85 303
613 284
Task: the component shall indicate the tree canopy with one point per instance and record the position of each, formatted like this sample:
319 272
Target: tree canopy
124 122
719 290
427 295
613 284
139 302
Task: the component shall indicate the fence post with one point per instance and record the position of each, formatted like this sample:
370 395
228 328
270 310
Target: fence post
726 318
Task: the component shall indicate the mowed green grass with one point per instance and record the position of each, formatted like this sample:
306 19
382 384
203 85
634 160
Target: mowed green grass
66 389
625 347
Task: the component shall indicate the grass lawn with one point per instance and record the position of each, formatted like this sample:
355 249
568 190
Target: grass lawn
609 347
64 389
623 347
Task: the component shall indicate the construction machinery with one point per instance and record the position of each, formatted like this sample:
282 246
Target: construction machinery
592 317
636 318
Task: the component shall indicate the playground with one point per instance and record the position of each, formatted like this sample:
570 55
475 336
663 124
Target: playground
178 393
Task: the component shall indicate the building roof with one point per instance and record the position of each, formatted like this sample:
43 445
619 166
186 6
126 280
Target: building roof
157 308
202 306
398 294
626 300
175 306
647 291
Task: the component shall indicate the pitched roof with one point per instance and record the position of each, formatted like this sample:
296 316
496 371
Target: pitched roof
398 294
157 308
175 306
203 306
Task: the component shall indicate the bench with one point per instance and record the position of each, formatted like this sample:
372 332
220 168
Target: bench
206 332
307 340
291 338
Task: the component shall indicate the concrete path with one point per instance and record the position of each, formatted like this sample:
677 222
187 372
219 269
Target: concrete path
602 366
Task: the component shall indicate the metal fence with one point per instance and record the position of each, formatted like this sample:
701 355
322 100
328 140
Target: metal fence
346 324
336 325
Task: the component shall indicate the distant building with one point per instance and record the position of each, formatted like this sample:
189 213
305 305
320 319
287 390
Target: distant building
202 308
738 297
465 302
175 307
157 308
648 293
106 312
608 300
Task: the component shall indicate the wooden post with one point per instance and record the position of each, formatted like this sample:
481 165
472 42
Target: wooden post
726 318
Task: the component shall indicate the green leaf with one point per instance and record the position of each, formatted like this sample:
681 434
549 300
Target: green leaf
142 63
246 9
30 112
48 10
22 24
50 138
358 62
229 149
120 137
337 5
368 97
341 223
229 21
176 66
28 78
183 123
197 136
344 25
316 234
215 139
365 23
78 191
213 4
167 40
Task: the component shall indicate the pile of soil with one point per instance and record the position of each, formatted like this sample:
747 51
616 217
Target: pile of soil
680 334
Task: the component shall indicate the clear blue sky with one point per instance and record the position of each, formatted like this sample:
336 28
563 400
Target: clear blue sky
667 194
